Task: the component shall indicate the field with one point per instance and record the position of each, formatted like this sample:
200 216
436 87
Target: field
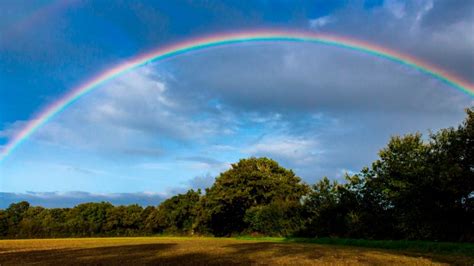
224 251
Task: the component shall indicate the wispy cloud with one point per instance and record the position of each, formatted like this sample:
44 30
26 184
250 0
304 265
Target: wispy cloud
290 149
202 182
12 129
396 7
320 22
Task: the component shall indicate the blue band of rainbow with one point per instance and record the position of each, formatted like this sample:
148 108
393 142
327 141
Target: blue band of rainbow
225 39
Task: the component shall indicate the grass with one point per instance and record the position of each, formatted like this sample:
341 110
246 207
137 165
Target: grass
466 249
230 251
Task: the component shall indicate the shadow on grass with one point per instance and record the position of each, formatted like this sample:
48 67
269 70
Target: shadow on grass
412 245
129 254
320 254
219 253
439 251
162 254
138 254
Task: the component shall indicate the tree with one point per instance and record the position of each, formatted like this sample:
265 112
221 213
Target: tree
123 220
15 213
249 183
326 209
31 225
54 222
278 218
88 219
452 162
403 178
3 223
176 214
428 186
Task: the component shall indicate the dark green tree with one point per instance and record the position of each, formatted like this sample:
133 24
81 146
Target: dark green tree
427 186
278 218
248 184
3 223
15 213
123 220
88 219
176 215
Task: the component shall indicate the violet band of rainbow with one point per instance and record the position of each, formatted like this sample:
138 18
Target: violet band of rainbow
226 39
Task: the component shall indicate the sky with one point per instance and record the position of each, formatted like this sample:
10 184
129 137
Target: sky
172 125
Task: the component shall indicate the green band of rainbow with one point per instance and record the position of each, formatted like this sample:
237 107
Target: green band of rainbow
225 39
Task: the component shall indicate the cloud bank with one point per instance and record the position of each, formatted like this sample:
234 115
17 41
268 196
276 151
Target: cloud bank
73 198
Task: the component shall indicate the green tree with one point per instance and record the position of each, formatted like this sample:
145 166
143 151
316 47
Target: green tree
15 213
123 220
31 225
88 219
452 161
278 218
427 186
54 222
176 215
326 214
249 183
3 223
402 178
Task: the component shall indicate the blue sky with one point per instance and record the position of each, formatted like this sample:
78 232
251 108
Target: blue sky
174 125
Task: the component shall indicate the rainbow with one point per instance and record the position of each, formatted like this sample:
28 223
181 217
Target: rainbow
227 39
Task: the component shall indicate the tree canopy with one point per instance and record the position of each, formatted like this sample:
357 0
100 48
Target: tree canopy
240 196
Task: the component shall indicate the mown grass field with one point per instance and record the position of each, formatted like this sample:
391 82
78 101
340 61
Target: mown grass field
221 251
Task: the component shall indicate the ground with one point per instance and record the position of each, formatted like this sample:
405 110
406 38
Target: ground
208 251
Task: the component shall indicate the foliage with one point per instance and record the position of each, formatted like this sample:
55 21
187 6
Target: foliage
176 215
427 187
278 218
417 189
250 183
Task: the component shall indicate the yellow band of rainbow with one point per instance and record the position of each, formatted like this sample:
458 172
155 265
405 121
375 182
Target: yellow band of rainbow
226 39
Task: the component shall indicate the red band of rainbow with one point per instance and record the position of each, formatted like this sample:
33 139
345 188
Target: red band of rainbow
226 39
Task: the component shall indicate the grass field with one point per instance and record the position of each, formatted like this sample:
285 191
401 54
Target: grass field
223 251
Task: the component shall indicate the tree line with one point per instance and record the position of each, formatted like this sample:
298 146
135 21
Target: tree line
419 188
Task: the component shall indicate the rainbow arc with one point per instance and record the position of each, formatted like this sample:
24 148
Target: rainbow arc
228 39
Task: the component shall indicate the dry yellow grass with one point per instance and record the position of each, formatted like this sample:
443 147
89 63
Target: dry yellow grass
223 251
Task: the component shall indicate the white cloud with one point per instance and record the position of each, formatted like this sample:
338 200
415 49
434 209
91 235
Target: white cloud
202 182
133 111
153 166
294 149
320 22
396 7
221 147
341 173
426 7
12 129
